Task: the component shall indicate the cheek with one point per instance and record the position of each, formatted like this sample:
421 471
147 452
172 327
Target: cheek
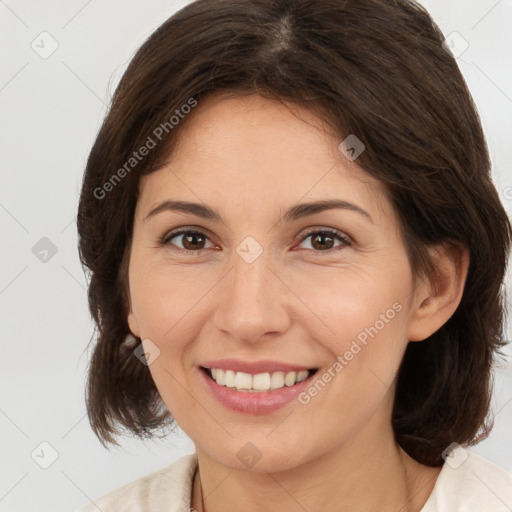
165 300
168 308
357 303
365 314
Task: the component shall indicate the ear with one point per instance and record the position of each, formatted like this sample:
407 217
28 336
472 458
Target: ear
133 324
437 298
124 271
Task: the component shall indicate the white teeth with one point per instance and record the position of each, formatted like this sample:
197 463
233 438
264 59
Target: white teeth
260 382
243 381
302 375
289 378
220 377
277 380
230 378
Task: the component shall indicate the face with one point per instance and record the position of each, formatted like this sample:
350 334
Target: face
260 294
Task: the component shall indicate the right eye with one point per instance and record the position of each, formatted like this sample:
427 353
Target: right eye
192 241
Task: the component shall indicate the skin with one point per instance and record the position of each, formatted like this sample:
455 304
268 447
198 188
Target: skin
251 158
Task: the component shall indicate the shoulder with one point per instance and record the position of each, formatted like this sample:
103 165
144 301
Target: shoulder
167 489
471 483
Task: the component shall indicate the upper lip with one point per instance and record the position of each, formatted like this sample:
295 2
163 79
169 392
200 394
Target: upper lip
254 367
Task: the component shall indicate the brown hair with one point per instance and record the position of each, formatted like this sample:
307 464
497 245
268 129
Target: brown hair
373 68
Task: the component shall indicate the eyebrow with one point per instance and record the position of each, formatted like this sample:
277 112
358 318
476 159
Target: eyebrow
296 212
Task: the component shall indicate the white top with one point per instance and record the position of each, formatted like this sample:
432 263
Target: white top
466 483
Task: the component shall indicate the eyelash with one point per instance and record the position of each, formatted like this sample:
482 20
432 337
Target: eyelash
165 240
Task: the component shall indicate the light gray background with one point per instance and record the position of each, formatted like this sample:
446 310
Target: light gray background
51 110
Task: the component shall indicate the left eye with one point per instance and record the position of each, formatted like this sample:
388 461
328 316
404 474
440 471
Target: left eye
323 240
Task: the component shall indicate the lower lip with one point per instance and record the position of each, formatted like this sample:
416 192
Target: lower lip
262 402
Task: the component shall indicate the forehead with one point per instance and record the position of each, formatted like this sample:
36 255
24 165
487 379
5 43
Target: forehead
257 151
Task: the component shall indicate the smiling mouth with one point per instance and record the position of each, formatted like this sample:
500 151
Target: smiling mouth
258 383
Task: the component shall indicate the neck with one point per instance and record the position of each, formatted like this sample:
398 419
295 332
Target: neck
369 473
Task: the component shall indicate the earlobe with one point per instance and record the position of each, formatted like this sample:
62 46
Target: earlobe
437 298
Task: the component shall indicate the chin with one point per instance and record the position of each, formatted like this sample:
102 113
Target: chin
262 455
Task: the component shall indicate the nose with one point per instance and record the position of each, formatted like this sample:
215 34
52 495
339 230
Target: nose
252 301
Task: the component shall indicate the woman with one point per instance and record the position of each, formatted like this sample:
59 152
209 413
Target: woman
296 253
